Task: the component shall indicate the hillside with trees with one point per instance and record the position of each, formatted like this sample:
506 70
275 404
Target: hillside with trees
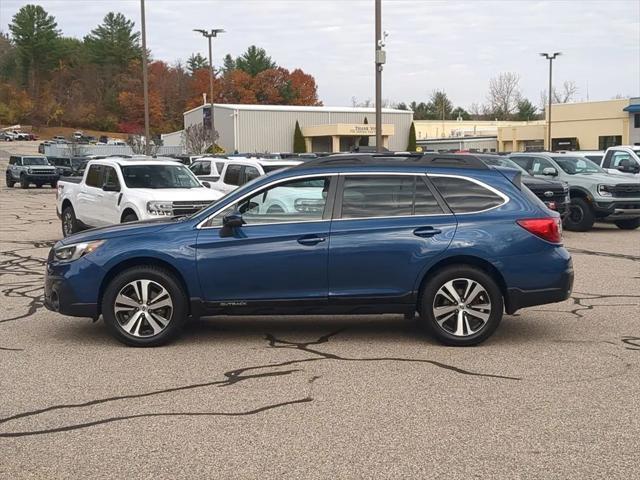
48 79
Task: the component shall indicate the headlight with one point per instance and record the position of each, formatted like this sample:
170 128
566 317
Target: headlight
68 253
160 208
605 190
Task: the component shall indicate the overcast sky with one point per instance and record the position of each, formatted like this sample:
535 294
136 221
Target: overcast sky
453 45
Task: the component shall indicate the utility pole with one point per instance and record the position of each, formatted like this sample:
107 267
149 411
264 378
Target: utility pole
211 34
145 81
551 57
380 60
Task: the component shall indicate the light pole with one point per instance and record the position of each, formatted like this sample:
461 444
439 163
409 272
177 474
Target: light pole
551 57
145 80
380 60
211 34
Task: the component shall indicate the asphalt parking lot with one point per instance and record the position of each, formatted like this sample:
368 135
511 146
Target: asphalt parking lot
555 393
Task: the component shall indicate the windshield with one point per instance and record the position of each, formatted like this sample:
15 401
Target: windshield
575 165
34 161
78 162
503 162
159 176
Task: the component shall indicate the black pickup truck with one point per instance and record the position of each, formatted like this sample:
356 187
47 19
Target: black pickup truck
553 193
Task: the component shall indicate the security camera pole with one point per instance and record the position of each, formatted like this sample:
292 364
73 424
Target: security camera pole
380 60
551 57
211 34
145 81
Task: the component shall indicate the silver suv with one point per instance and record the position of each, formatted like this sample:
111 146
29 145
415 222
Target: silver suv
30 169
595 194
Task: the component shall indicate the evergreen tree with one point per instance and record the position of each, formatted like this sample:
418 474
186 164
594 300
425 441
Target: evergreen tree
229 63
34 34
114 42
254 61
411 146
299 145
526 110
364 141
196 62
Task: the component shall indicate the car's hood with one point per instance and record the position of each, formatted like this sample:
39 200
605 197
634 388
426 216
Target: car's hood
120 230
534 182
607 178
181 194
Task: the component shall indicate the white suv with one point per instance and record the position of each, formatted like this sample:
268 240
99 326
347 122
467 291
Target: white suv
236 171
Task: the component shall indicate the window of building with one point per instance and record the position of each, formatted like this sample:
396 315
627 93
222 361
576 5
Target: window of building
607 141
465 196
387 196
636 120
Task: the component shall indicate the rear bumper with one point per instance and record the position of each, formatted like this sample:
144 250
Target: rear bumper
517 298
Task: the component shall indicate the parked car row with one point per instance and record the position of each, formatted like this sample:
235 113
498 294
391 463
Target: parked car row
16 135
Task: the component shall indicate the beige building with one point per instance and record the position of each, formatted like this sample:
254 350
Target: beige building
577 126
432 129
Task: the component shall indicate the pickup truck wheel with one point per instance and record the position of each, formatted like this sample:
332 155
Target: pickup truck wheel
10 181
461 305
69 221
144 307
38 185
24 183
130 217
629 224
581 217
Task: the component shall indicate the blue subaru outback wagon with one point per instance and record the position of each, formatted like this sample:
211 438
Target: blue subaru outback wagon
442 235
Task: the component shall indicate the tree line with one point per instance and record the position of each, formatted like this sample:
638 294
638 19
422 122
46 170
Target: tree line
48 79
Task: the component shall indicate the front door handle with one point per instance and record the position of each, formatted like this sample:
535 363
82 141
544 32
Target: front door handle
426 232
310 240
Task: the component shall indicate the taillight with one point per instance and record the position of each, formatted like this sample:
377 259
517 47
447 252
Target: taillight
549 228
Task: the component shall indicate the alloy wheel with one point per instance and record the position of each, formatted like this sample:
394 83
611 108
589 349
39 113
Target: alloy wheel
576 214
462 307
143 308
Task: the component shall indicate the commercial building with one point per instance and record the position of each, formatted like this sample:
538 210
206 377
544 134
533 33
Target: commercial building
578 126
270 128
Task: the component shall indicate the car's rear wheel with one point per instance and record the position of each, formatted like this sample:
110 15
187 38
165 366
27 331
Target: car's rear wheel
10 181
38 185
24 183
144 307
69 221
461 305
581 217
628 224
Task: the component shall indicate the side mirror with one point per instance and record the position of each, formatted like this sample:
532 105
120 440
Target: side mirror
550 171
110 187
232 220
206 184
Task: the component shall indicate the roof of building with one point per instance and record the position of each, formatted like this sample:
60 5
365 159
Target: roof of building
299 108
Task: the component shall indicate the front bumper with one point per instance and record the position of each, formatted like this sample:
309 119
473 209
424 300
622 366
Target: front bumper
42 178
73 288
517 298
617 210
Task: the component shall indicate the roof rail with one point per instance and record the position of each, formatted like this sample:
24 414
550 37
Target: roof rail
427 160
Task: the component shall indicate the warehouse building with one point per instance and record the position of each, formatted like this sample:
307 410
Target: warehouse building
270 128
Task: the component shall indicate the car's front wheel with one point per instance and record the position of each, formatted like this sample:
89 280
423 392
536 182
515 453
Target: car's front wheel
581 217
144 307
10 181
461 305
24 183
628 224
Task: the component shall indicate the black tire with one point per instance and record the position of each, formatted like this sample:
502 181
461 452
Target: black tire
491 295
10 181
581 217
178 316
38 185
24 183
129 217
53 184
69 222
629 224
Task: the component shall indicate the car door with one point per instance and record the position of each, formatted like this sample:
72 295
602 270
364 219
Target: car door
231 178
272 259
387 228
12 168
89 197
110 201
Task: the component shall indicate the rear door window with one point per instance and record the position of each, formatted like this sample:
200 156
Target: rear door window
250 173
464 196
367 196
232 175
94 176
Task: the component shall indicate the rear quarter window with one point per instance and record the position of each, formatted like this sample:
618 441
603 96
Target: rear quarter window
464 196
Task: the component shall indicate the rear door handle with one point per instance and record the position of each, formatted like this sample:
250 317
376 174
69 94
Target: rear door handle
426 232
310 240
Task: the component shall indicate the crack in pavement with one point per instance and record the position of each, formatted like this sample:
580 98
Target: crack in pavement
634 343
634 258
232 377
